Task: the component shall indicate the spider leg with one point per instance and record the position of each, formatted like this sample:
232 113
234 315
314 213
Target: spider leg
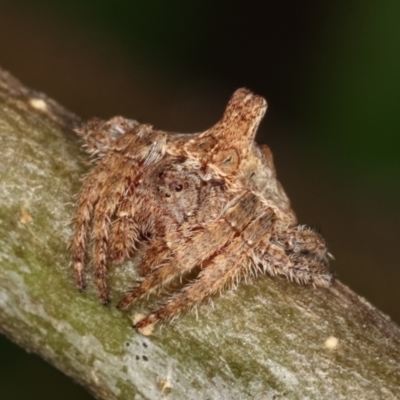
312 271
117 174
302 240
99 135
135 224
270 258
199 247
104 211
155 254
309 254
227 268
186 257
301 257
123 234
89 196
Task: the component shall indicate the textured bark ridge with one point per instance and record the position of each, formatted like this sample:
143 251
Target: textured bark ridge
267 340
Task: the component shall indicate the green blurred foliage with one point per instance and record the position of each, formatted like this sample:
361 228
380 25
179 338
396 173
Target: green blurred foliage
354 92
167 33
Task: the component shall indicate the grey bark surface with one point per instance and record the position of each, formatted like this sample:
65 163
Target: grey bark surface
265 340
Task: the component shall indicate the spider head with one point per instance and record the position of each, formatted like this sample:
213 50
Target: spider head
170 186
176 188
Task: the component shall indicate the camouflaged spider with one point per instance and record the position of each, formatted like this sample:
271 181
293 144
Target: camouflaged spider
209 200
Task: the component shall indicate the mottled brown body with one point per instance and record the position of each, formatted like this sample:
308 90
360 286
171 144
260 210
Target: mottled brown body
208 200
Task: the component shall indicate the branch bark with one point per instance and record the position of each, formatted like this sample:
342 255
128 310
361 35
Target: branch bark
266 340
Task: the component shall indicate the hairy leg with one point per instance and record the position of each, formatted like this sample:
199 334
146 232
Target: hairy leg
124 234
199 247
155 255
103 213
185 258
232 264
305 241
100 136
89 196
301 257
116 176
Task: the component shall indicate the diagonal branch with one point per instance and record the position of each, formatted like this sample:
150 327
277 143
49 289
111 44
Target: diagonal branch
266 340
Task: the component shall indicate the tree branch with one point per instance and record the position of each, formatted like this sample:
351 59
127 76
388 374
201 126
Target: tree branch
266 340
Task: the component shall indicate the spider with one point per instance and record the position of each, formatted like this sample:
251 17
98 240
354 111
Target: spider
209 200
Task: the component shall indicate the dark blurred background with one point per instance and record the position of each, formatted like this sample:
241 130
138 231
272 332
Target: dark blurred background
330 72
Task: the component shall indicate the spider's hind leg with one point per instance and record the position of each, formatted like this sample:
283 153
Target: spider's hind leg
302 240
299 254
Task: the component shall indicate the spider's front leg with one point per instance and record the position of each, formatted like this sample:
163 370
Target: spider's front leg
124 234
227 268
98 200
99 138
89 196
103 214
127 160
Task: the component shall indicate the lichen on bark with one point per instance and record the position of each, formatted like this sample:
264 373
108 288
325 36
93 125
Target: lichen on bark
265 340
